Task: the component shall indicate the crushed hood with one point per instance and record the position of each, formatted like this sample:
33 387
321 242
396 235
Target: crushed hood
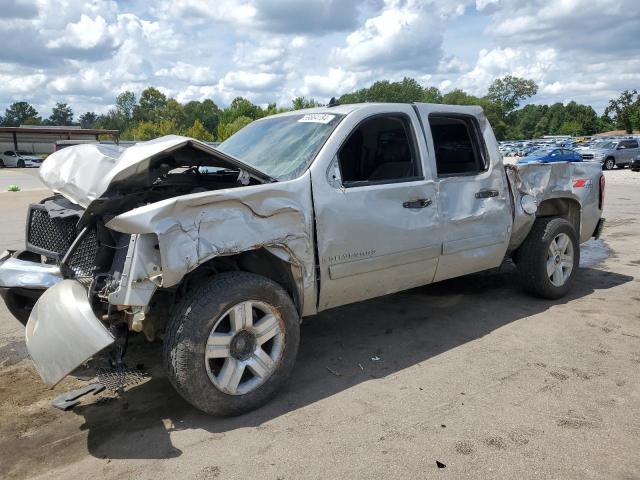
84 173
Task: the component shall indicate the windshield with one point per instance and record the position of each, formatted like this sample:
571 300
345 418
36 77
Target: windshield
281 147
605 145
541 152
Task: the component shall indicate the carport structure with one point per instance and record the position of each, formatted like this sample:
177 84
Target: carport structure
48 135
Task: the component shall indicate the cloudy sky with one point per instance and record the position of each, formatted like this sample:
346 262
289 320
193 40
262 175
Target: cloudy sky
84 52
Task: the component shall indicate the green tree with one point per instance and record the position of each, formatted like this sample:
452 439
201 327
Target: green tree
605 123
20 113
150 106
570 127
407 90
241 107
509 91
206 112
198 132
88 120
150 130
174 111
301 103
431 95
61 115
125 104
459 97
225 130
625 109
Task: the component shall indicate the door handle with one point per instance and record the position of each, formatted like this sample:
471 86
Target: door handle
420 203
487 193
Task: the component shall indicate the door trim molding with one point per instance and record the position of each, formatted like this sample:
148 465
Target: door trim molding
382 262
478 241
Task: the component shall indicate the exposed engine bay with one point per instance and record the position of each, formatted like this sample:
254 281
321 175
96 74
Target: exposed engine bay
75 239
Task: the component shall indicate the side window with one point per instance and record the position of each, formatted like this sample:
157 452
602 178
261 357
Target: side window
632 144
380 150
458 146
9 153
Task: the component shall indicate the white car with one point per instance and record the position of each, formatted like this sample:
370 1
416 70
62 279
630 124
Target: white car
12 158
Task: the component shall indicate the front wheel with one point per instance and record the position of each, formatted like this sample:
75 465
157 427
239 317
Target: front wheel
20 164
231 343
548 258
609 163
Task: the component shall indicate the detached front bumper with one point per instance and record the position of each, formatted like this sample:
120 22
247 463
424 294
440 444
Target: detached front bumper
63 332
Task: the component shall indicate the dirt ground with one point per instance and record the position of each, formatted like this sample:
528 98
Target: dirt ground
471 373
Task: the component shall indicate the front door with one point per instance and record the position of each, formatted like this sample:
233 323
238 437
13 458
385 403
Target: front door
376 210
473 195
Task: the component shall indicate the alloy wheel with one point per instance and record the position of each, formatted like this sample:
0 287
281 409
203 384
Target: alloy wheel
560 259
244 347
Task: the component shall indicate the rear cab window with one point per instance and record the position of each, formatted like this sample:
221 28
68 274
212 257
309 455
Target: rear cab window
459 147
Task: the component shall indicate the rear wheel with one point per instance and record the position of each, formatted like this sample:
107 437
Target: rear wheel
1 163
231 343
609 163
548 259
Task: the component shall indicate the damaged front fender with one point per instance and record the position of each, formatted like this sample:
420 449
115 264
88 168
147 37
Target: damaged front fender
192 229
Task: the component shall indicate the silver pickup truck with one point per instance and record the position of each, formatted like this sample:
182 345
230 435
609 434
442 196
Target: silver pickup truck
220 252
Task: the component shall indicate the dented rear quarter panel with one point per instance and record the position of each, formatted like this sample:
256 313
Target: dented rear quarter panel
577 181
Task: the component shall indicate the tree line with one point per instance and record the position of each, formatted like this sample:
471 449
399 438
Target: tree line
153 114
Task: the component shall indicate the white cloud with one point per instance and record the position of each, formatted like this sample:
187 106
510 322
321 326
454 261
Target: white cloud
402 34
251 81
85 52
191 74
336 82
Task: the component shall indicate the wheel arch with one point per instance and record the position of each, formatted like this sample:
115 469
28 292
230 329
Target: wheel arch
562 207
260 261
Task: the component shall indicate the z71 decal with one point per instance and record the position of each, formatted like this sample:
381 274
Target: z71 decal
583 183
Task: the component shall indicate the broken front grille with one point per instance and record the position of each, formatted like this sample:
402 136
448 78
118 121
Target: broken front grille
53 236
49 236
83 258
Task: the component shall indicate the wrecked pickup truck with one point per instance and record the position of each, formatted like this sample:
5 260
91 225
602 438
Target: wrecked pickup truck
220 252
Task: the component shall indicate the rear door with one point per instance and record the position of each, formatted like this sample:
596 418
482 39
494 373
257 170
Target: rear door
377 223
473 197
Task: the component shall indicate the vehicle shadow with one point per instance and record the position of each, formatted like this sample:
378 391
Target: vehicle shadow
339 349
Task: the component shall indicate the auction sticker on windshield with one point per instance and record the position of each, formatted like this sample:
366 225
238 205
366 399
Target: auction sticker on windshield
317 118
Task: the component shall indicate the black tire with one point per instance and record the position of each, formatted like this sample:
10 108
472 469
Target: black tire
20 164
1 163
532 258
609 164
189 327
18 305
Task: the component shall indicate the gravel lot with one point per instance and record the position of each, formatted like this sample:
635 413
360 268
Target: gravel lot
471 373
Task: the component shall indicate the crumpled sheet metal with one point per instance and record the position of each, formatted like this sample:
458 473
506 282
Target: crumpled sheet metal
192 229
544 181
83 173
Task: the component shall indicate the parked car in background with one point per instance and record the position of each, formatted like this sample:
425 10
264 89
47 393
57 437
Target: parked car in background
635 164
614 153
550 155
19 159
